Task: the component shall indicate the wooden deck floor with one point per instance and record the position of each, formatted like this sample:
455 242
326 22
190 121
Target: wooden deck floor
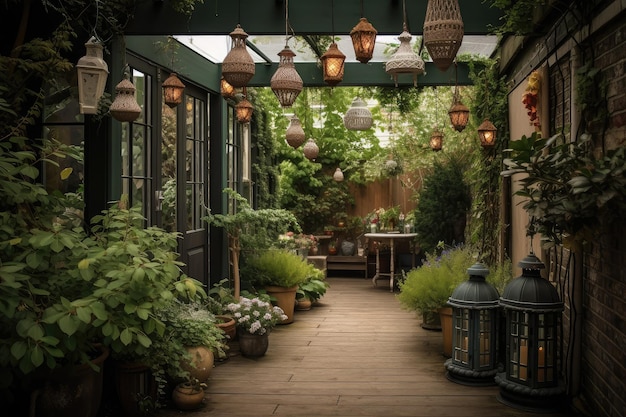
356 354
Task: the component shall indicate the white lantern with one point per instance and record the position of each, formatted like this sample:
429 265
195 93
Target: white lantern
93 72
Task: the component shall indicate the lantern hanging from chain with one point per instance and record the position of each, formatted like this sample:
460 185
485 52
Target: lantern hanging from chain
295 135
92 71
238 66
125 107
363 40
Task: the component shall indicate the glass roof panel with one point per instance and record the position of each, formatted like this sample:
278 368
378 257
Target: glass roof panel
215 48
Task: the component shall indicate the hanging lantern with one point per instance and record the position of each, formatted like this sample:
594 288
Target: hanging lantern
459 113
311 150
243 109
533 312
404 60
333 65
487 134
436 140
125 107
475 311
286 82
363 39
226 89
92 73
443 31
238 66
358 116
295 135
338 175
173 89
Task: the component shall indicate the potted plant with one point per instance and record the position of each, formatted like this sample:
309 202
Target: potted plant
189 395
426 289
280 272
311 290
247 226
255 318
194 327
219 296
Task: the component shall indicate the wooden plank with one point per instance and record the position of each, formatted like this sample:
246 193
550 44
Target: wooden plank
355 354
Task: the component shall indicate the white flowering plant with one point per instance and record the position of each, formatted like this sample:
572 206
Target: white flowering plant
256 316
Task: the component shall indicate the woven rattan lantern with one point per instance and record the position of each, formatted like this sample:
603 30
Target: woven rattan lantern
295 135
226 90
358 116
338 175
125 107
404 60
363 39
173 89
311 150
333 65
92 73
286 82
443 31
238 66
243 110
436 140
487 134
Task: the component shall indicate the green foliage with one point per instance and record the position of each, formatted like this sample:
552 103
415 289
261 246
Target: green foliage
192 324
427 288
313 288
256 229
519 15
500 274
443 204
568 191
279 268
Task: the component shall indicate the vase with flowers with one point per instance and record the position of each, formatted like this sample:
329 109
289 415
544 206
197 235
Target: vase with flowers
255 318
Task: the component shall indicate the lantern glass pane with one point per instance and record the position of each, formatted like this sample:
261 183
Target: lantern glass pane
485 337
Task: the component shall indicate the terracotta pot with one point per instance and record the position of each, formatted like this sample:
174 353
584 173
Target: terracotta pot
187 397
303 304
202 360
285 298
445 316
228 324
253 345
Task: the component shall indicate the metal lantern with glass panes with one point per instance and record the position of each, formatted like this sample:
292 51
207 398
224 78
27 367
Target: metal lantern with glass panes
92 73
436 140
173 89
533 313
475 311
358 116
333 65
487 134
363 39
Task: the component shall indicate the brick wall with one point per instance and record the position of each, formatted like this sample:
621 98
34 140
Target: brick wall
603 362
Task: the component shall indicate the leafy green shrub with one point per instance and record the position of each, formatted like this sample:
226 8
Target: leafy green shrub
443 204
427 288
278 267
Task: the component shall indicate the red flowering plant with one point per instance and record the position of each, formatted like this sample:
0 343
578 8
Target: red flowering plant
531 98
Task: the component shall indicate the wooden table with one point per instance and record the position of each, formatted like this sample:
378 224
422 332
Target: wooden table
391 238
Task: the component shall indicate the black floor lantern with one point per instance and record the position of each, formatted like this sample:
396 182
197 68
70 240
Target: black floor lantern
475 311
533 312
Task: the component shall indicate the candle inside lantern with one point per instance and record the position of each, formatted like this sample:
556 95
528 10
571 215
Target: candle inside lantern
523 361
541 372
